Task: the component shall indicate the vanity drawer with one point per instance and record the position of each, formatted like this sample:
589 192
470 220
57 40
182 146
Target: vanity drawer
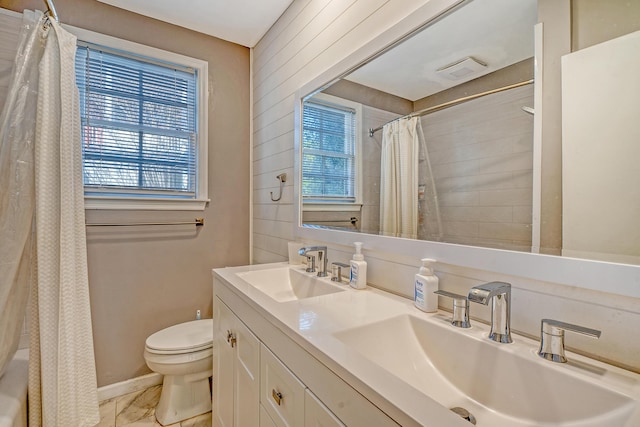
281 393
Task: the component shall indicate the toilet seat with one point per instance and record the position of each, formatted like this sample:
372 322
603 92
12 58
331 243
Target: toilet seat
167 360
188 337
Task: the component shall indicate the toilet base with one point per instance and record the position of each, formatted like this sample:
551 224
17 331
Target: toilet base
183 397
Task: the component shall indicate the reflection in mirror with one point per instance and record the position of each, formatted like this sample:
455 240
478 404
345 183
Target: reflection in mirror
432 140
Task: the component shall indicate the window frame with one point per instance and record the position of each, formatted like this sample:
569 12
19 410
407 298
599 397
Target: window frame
319 204
116 202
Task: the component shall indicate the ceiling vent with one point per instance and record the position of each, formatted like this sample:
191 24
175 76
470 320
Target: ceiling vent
462 69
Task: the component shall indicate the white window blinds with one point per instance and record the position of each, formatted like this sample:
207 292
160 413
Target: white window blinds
139 124
328 153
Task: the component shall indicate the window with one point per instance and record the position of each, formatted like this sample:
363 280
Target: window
330 146
143 126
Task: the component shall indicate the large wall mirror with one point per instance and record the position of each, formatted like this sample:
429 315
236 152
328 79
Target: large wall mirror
435 140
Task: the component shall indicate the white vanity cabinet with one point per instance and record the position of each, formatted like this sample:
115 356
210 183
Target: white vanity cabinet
265 419
237 371
272 381
316 414
281 393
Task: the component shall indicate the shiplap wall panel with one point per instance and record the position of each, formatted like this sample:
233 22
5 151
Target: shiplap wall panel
265 180
287 77
278 127
281 32
334 42
310 25
273 39
276 145
262 195
277 111
309 38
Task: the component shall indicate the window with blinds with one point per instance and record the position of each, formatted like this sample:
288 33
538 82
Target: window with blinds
139 124
328 153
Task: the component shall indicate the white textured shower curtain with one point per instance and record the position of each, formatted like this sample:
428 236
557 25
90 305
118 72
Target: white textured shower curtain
62 376
399 178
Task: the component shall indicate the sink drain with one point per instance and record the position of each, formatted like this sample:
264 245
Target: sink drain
464 414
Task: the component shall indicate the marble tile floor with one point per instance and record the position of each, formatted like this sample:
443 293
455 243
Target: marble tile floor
137 409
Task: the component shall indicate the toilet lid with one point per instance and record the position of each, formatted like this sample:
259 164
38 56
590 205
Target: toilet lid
189 336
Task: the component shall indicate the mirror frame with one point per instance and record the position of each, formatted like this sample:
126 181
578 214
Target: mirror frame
621 279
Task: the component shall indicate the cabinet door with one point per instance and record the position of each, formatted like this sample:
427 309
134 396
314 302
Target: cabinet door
247 376
281 393
316 414
236 376
223 372
265 419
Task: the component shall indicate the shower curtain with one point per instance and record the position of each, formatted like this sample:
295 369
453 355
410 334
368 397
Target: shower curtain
399 178
41 121
17 198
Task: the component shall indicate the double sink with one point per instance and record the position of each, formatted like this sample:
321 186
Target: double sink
490 383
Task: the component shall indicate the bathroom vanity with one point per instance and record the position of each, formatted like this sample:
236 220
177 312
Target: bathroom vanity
292 349
267 376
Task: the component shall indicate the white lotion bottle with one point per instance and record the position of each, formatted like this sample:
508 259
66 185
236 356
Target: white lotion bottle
358 276
426 283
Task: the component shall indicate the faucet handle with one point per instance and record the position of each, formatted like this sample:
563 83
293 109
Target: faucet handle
460 316
336 271
552 338
311 264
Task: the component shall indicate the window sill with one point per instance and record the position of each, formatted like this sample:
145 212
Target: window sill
146 204
332 207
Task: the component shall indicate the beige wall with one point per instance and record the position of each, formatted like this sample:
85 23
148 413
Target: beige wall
595 21
145 279
369 96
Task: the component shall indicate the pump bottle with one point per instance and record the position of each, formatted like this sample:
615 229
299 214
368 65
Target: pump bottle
358 276
426 283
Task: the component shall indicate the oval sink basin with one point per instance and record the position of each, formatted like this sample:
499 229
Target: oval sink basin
500 384
287 284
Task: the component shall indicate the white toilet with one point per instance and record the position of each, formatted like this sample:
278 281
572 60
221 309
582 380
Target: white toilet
183 354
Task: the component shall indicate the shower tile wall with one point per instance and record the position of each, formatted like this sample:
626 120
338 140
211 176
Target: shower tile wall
481 154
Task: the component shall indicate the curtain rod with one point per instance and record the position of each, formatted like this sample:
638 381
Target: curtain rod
452 103
197 222
51 9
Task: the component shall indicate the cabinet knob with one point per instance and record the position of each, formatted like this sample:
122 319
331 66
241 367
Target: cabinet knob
277 396
231 338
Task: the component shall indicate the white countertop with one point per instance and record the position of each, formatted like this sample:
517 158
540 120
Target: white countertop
312 323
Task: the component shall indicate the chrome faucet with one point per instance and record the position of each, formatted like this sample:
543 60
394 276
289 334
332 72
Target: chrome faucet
499 293
322 256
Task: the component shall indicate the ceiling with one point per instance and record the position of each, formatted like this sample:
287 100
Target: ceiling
239 21
496 32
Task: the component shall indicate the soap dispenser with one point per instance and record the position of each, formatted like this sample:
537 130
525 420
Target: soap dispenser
426 283
358 276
